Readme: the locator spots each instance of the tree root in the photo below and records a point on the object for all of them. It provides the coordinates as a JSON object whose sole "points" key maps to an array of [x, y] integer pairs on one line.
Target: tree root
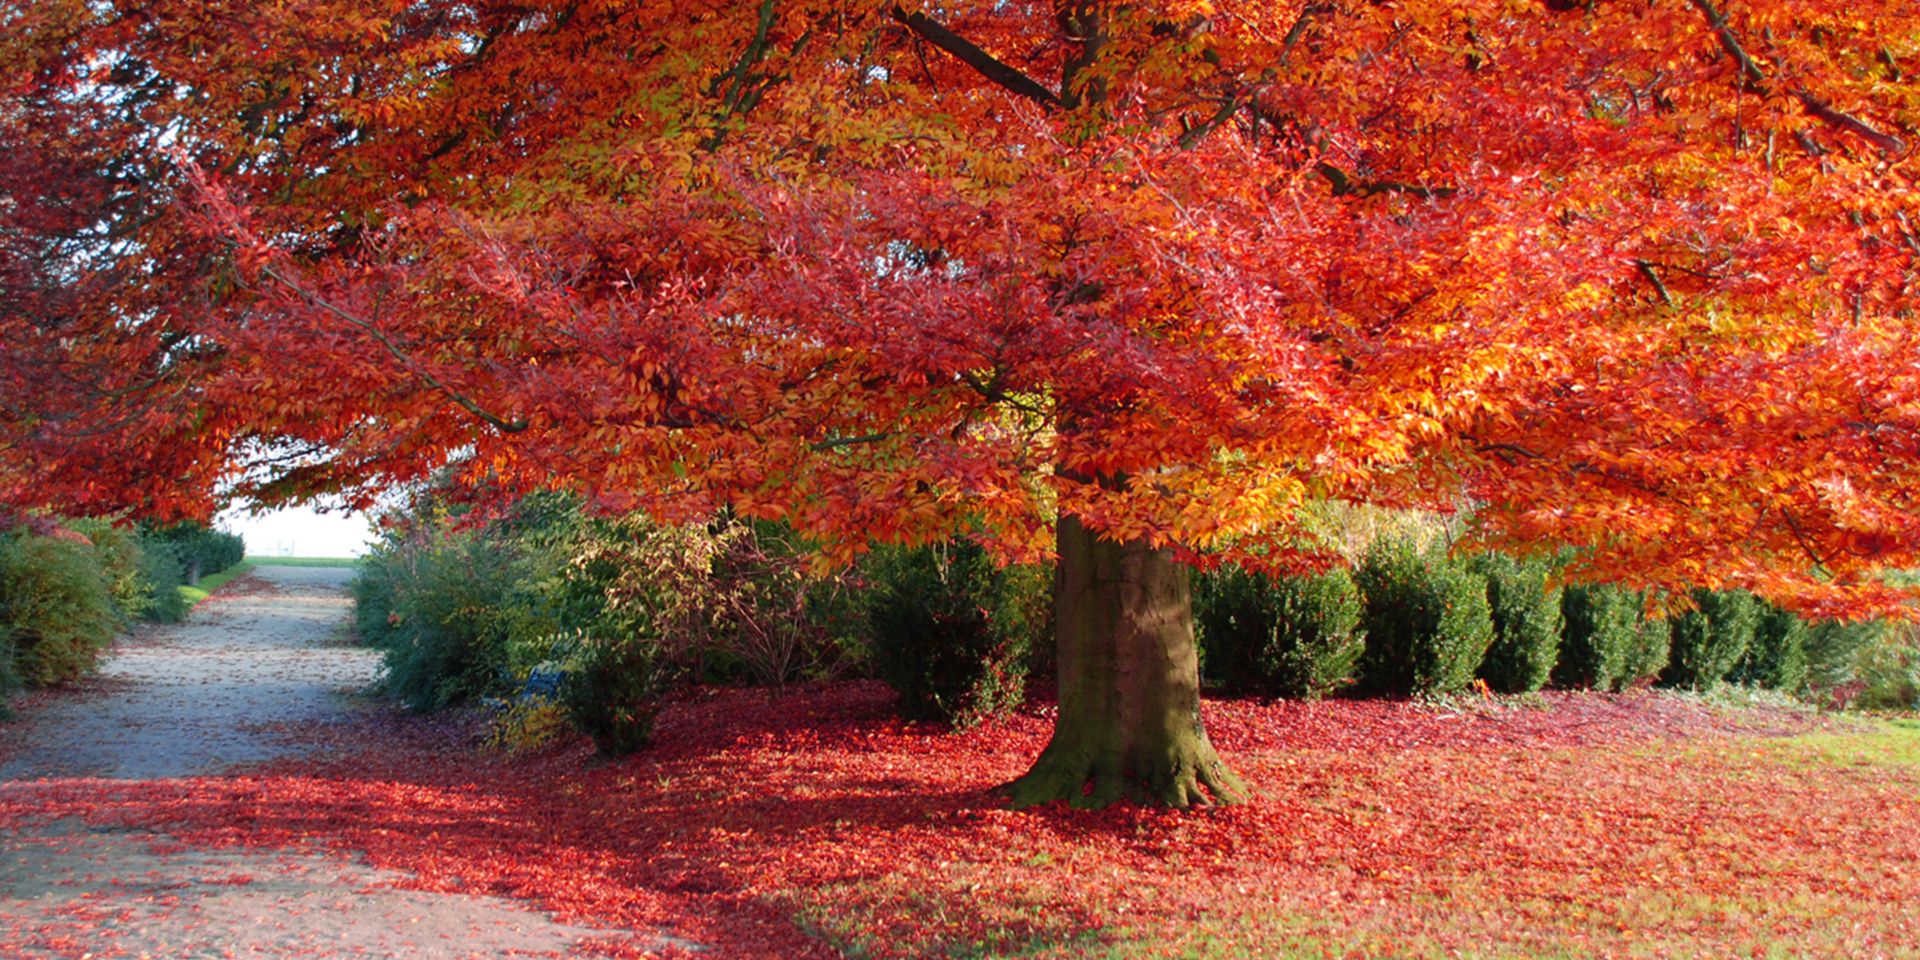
{"points": [[1190, 774]]}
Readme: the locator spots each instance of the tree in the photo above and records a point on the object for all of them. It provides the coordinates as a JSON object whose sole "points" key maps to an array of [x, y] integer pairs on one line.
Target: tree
{"points": [[1128, 283]]}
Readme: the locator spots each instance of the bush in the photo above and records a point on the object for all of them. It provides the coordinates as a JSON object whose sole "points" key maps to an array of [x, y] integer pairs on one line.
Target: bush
{"points": [[201, 552], [1648, 651], [1710, 640], [1426, 620], [1836, 651], [1889, 675], [54, 606], [951, 633], [611, 692], [1601, 628], [1526, 622], [1778, 657], [1278, 636], [9, 678], [122, 564], [449, 626], [161, 571]]}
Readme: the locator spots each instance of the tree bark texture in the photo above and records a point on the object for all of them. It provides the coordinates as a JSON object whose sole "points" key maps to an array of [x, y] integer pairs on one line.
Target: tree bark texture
{"points": [[1129, 719]]}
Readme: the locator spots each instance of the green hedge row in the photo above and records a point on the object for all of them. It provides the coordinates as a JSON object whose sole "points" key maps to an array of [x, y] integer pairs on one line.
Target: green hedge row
{"points": [[67, 588], [1410, 620]]}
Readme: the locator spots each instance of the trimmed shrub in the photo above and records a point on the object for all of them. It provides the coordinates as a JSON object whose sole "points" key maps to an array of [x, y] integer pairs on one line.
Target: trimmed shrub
{"points": [[1278, 636], [1602, 627], [611, 691], [1778, 658], [1426, 619], [1649, 650], [56, 607], [951, 631], [202, 552], [1710, 640], [1526, 622], [160, 569]]}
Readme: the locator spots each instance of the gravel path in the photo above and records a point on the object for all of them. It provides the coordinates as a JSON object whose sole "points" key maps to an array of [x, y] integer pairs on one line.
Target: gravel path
{"points": [[194, 699]]}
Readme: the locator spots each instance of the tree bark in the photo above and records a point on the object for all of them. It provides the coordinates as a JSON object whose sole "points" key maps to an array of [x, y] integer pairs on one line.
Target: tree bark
{"points": [[1129, 719]]}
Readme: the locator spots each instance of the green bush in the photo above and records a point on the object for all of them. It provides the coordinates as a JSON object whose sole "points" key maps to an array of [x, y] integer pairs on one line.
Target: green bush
{"points": [[951, 632], [1526, 622], [452, 621], [1278, 636], [9, 677], [1778, 657], [1710, 640], [1648, 651], [611, 691], [122, 564], [55, 606], [200, 551], [1888, 675], [1426, 620], [1601, 629], [160, 569], [1836, 651]]}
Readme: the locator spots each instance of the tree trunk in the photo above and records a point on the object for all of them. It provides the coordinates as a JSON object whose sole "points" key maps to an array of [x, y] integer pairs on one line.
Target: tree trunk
{"points": [[1129, 721]]}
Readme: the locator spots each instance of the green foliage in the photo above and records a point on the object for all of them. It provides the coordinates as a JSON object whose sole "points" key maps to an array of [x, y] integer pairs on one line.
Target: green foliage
{"points": [[1601, 629], [55, 606], [612, 691], [1526, 622], [1889, 675], [1836, 651], [9, 677], [1426, 619], [122, 564], [1278, 636], [1778, 657], [1648, 651], [1709, 641], [201, 551], [160, 569], [951, 632]]}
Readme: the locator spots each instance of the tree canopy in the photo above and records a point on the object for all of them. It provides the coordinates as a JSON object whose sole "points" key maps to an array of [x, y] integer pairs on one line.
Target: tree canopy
{"points": [[1636, 277]]}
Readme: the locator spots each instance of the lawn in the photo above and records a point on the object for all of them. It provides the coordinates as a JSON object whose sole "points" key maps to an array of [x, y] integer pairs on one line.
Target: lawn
{"points": [[211, 582], [811, 824]]}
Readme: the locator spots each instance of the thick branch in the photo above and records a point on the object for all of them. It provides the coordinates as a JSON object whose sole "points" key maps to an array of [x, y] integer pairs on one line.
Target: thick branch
{"points": [[982, 62], [1753, 78], [1344, 184]]}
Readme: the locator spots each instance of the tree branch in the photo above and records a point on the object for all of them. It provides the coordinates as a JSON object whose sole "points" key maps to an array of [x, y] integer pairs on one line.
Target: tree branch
{"points": [[465, 403], [982, 62], [1753, 78]]}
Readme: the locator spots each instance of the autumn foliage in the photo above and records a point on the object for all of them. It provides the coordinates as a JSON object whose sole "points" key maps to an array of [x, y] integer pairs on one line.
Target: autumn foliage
{"points": [[1634, 276]]}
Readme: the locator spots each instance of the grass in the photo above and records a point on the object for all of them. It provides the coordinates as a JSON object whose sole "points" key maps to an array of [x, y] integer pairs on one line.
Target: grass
{"points": [[304, 561], [208, 584]]}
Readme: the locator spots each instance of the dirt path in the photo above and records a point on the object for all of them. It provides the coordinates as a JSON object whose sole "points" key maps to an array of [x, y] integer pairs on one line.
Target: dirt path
{"points": [[195, 699]]}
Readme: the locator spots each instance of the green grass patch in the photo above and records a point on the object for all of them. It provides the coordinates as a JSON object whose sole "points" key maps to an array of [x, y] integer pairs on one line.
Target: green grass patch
{"points": [[1890, 743], [207, 585], [304, 561]]}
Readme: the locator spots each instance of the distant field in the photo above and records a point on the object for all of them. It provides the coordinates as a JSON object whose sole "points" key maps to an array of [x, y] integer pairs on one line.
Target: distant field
{"points": [[304, 561]]}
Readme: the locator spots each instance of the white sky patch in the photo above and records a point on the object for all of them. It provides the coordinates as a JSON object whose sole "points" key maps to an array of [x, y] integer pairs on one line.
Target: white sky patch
{"points": [[300, 532]]}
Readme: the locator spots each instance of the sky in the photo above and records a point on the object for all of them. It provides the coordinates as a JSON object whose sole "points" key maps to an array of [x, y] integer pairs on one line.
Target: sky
{"points": [[300, 532]]}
